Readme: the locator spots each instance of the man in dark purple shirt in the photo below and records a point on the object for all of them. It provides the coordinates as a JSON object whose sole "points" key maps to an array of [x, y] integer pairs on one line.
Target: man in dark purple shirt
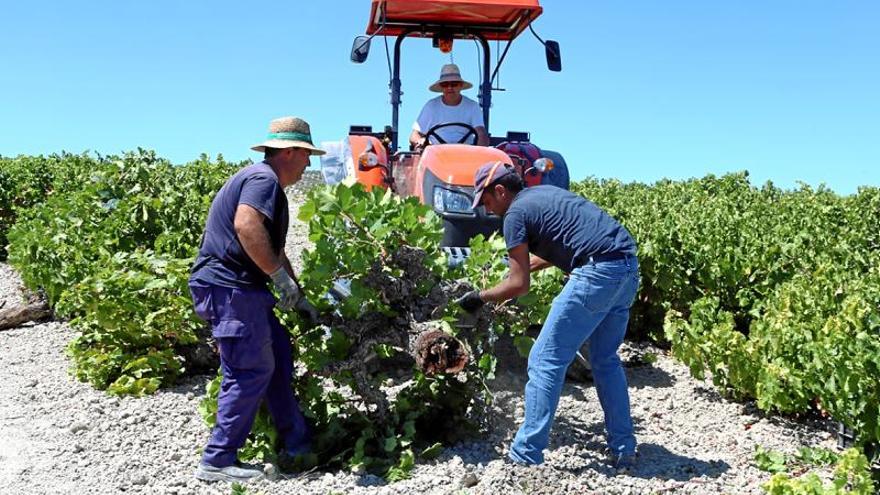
{"points": [[241, 251]]}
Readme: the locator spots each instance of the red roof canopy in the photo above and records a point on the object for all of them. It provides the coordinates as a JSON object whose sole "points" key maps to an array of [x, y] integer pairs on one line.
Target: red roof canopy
{"points": [[493, 19]]}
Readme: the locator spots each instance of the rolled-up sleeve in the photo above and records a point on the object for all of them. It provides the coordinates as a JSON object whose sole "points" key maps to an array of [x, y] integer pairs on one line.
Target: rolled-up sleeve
{"points": [[261, 192]]}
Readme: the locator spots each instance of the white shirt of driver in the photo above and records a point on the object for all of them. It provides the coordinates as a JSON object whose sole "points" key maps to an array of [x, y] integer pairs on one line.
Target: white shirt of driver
{"points": [[436, 112]]}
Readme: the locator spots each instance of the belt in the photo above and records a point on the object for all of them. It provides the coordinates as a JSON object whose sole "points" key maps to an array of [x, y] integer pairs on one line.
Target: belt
{"points": [[598, 258]]}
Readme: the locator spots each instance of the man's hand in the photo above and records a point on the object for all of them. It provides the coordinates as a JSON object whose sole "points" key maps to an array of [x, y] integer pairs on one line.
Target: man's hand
{"points": [[416, 140], [418, 146], [471, 301], [289, 292], [306, 310]]}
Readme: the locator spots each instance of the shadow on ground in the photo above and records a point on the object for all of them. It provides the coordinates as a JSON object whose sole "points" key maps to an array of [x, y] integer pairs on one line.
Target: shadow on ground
{"points": [[647, 376], [654, 461]]}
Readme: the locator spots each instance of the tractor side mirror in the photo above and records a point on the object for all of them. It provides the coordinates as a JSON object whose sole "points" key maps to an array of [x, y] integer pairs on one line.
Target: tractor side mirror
{"points": [[360, 49], [554, 57]]}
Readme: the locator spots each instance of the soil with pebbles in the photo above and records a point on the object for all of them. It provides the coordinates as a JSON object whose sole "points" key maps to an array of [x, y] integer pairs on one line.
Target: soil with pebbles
{"points": [[58, 435]]}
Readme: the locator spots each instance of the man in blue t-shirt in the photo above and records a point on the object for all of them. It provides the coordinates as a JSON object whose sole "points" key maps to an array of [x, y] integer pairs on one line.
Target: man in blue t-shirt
{"points": [[241, 251], [562, 229]]}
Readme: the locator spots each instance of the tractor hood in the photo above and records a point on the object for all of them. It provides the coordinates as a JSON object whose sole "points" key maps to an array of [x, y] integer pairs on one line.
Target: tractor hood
{"points": [[456, 164]]}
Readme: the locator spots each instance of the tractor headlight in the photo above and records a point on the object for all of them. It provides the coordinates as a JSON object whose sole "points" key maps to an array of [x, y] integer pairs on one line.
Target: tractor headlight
{"points": [[446, 200], [543, 164]]}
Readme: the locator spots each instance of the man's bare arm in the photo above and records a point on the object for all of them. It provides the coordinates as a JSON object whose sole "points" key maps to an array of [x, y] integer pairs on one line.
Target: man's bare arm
{"points": [[415, 138], [537, 263], [482, 136], [254, 238], [289, 268], [518, 279]]}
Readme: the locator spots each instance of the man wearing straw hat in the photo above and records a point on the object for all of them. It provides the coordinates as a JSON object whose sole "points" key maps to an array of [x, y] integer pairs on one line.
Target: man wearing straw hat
{"points": [[447, 108], [241, 251]]}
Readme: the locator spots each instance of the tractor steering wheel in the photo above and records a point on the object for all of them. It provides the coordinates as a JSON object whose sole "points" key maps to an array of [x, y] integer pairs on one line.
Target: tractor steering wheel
{"points": [[433, 132]]}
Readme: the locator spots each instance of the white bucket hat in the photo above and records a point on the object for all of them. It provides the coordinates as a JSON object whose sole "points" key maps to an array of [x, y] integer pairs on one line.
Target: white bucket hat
{"points": [[289, 132], [449, 73]]}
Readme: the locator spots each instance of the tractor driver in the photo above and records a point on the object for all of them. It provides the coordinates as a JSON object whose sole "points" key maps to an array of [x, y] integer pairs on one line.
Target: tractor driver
{"points": [[450, 107]]}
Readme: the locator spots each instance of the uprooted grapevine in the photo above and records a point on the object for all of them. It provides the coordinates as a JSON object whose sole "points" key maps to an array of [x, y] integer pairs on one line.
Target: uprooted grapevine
{"points": [[393, 365]]}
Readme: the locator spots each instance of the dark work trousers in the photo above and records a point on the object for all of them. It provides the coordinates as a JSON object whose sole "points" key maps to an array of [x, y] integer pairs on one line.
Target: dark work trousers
{"points": [[256, 363]]}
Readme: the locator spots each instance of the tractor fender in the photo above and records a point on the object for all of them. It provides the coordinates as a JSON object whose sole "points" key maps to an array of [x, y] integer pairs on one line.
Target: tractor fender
{"points": [[523, 155], [559, 175], [374, 177], [340, 163]]}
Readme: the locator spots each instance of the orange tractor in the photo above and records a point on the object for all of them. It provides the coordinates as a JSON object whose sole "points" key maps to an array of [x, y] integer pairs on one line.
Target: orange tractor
{"points": [[442, 175]]}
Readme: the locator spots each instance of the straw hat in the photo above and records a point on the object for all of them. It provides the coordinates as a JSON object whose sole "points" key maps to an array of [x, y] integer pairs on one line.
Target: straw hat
{"points": [[449, 73], [289, 132]]}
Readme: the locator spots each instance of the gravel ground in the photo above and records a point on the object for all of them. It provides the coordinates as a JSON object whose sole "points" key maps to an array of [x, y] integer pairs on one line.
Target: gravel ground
{"points": [[60, 436]]}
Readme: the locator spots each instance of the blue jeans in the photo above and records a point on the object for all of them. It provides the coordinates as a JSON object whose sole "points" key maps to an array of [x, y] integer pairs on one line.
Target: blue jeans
{"points": [[594, 305], [256, 364]]}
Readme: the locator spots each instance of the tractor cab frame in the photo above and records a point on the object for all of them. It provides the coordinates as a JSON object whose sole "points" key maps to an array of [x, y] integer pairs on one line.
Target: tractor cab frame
{"points": [[445, 21], [442, 175]]}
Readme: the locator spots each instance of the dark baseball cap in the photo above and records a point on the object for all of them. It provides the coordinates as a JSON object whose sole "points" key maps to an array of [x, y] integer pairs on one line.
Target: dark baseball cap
{"points": [[486, 175]]}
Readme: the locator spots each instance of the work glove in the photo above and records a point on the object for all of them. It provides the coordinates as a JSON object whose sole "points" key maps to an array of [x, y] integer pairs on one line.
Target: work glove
{"points": [[306, 311], [288, 292], [471, 301]]}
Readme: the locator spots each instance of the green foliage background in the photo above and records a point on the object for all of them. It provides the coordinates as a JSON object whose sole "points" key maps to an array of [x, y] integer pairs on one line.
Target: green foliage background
{"points": [[851, 474], [110, 240], [774, 293]]}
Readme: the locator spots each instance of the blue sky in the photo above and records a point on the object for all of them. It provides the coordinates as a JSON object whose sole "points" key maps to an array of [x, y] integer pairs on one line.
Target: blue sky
{"points": [[788, 90]]}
